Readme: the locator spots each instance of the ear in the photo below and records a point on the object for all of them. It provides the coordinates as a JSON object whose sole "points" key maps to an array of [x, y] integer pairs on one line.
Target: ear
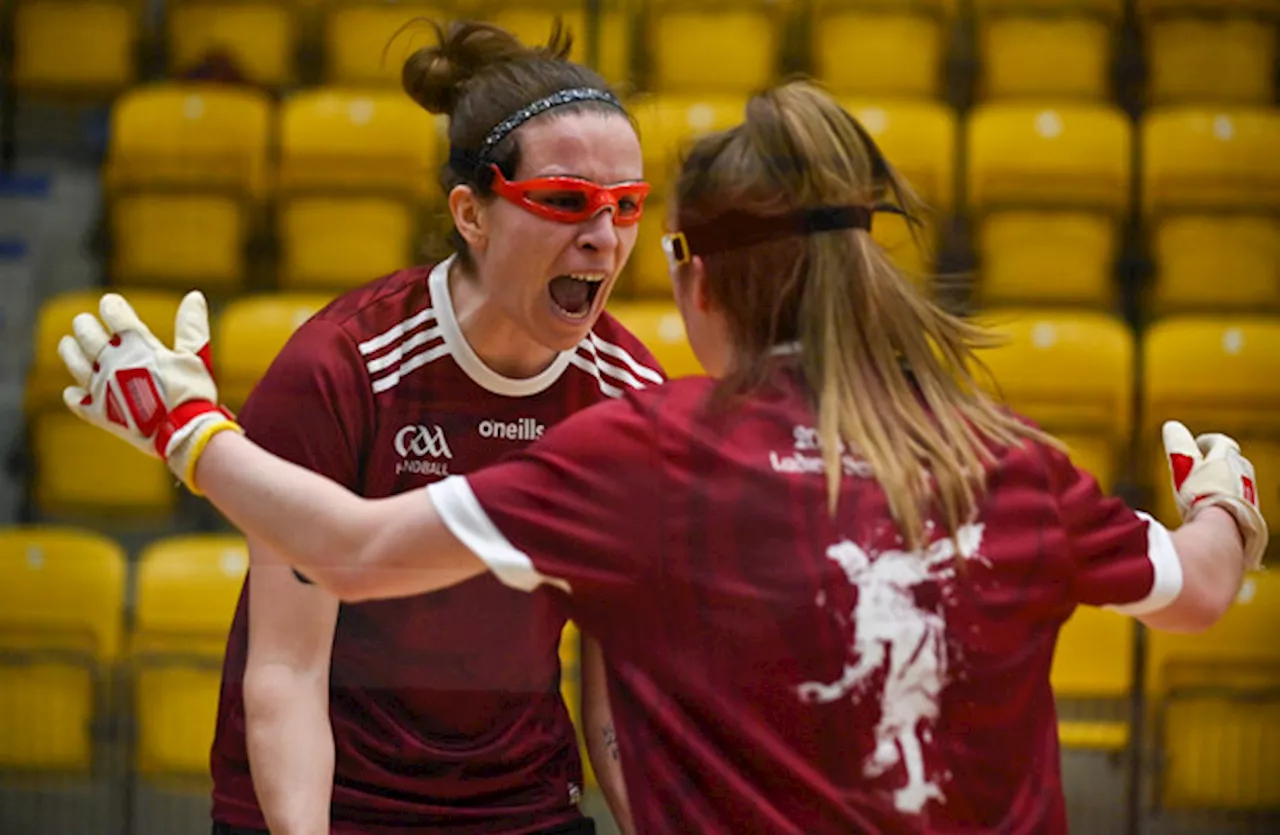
{"points": [[698, 284], [469, 216]]}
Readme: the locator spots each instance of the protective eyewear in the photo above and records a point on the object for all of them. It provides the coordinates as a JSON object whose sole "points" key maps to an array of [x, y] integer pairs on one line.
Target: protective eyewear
{"points": [[572, 199]]}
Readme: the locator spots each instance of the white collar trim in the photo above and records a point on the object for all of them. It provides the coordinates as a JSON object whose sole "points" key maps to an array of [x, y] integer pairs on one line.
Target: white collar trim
{"points": [[467, 359]]}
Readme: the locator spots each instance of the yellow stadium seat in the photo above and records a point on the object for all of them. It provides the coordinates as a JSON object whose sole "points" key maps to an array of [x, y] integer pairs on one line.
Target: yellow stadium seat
{"points": [[250, 333], [669, 124], [571, 692], [75, 45], [873, 47], [918, 138], [1092, 662], [186, 171], [78, 468], [364, 43], [729, 46], [259, 36], [1219, 58], [1048, 186], [1072, 373], [61, 614], [1211, 188], [354, 170], [1047, 49], [531, 21], [1215, 375], [647, 275], [187, 592], [1217, 707], [659, 326]]}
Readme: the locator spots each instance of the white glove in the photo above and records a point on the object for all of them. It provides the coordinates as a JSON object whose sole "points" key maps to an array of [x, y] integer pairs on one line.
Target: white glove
{"points": [[160, 400], [1210, 471]]}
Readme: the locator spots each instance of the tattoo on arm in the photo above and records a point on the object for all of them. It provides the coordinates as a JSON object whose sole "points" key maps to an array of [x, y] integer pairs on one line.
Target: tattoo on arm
{"points": [[610, 740]]}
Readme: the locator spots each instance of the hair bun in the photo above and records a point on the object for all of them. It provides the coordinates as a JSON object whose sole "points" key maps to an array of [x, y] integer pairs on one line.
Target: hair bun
{"points": [[436, 76]]}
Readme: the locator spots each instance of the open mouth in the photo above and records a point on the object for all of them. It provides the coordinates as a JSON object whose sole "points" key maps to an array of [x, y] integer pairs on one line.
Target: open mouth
{"points": [[575, 293]]}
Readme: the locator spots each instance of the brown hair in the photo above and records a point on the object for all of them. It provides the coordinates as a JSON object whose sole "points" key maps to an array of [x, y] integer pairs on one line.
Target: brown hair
{"points": [[891, 374], [480, 74]]}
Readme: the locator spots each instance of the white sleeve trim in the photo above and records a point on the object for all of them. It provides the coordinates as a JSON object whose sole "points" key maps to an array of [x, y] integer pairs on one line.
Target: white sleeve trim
{"points": [[1167, 583], [462, 514]]}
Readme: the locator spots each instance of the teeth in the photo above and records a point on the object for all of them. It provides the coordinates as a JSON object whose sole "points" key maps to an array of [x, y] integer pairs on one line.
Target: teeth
{"points": [[592, 278]]}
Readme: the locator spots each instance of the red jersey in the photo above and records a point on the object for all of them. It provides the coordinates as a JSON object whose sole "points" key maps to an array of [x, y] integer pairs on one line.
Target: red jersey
{"points": [[774, 669], [446, 708]]}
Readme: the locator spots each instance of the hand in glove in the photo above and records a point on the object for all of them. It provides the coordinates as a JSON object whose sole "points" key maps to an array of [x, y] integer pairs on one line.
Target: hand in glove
{"points": [[1210, 471], [161, 400]]}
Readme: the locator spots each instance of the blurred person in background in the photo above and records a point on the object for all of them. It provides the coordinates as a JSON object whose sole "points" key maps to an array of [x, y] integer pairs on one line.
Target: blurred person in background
{"points": [[828, 578], [443, 712]]}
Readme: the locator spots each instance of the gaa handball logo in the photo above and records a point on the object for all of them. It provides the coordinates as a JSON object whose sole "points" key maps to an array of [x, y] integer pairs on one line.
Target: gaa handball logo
{"points": [[421, 448]]}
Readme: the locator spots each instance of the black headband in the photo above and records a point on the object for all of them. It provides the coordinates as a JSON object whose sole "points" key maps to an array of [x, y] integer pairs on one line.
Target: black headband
{"points": [[469, 162], [736, 230]]}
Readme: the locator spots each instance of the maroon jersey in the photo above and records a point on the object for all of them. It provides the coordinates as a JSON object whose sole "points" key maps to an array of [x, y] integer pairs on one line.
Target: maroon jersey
{"points": [[446, 708], [774, 669]]}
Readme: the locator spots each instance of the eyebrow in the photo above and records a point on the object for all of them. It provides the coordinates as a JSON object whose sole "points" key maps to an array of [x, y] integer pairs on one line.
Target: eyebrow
{"points": [[576, 176]]}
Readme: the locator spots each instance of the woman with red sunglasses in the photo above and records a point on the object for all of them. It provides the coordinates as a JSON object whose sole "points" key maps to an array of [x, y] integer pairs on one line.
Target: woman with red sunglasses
{"points": [[828, 579], [442, 712]]}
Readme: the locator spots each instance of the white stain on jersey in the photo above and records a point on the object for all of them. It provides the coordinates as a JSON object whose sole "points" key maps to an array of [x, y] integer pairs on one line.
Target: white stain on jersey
{"points": [[888, 628]]}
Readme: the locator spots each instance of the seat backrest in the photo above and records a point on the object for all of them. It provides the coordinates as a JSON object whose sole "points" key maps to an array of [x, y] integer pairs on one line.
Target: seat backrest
{"points": [[659, 326], [187, 589], [61, 589], [1149, 8], [919, 140], [178, 135], [366, 142], [670, 123], [1069, 155], [1109, 9], [942, 8], [1065, 370], [1240, 649], [1093, 658], [250, 333], [1213, 374], [48, 375], [1204, 159]]}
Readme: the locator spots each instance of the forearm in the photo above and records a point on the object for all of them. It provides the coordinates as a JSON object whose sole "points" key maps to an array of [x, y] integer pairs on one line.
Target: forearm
{"points": [[311, 522], [290, 743], [602, 740], [1211, 554]]}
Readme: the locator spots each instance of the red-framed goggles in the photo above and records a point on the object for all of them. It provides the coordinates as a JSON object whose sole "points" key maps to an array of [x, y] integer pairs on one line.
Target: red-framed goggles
{"points": [[736, 230], [573, 199]]}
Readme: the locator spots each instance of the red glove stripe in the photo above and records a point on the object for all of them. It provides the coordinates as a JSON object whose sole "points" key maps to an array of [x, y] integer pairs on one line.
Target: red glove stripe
{"points": [[143, 399], [206, 356], [1250, 491], [179, 418], [1181, 466]]}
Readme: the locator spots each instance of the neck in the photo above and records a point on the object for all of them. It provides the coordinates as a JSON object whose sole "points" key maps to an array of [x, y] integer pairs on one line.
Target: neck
{"points": [[497, 341]]}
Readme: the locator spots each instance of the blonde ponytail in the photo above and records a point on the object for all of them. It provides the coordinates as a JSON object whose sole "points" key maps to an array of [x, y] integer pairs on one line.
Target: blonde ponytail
{"points": [[893, 377]]}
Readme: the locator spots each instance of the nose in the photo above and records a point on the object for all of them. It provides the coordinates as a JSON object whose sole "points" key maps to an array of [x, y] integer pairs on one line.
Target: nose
{"points": [[599, 234]]}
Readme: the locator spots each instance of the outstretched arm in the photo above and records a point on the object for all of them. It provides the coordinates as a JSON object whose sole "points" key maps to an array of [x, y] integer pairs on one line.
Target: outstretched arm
{"points": [[164, 401], [356, 548]]}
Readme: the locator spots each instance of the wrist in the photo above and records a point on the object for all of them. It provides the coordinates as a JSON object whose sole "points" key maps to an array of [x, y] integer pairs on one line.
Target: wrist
{"points": [[196, 429]]}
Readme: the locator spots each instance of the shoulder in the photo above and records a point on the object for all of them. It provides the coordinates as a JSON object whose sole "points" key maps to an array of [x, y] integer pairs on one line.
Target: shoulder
{"points": [[617, 361], [370, 328]]}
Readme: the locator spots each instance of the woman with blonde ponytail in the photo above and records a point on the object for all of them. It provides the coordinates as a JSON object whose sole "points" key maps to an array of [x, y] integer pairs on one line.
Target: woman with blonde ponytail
{"points": [[829, 576]]}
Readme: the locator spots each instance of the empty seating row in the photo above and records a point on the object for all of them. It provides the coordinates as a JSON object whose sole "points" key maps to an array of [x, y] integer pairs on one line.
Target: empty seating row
{"points": [[63, 619], [192, 172], [1041, 48]]}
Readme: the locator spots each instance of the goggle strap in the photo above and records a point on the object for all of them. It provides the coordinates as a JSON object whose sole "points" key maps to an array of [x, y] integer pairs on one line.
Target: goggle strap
{"points": [[737, 230]]}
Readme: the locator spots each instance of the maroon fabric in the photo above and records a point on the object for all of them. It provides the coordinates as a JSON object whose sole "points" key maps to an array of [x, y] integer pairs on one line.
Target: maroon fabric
{"points": [[445, 708], [777, 670]]}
